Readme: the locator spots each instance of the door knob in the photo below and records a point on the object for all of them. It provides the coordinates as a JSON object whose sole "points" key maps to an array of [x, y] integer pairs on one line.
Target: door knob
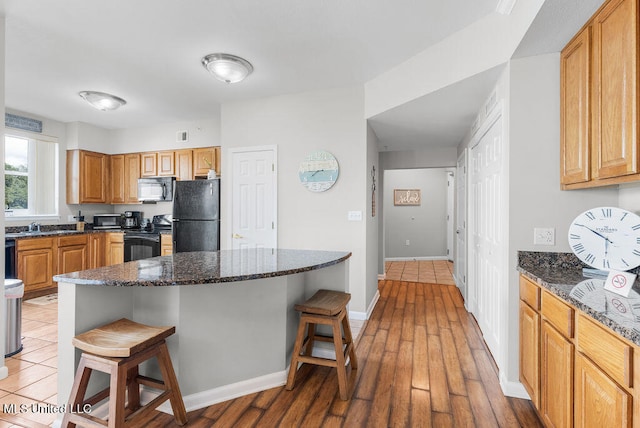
{"points": [[236, 236]]}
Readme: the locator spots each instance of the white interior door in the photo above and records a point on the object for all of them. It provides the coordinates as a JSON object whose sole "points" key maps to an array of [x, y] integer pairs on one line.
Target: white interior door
{"points": [[460, 264], [450, 220], [486, 285], [254, 201]]}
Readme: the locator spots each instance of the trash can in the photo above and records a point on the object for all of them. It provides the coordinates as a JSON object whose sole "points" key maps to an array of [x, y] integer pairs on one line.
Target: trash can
{"points": [[13, 293]]}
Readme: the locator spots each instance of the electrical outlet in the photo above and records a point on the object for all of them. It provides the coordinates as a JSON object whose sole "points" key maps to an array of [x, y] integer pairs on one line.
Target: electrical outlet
{"points": [[544, 236], [407, 242]]}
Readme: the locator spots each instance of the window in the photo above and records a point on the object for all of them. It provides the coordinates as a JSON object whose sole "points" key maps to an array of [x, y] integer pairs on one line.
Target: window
{"points": [[30, 177]]}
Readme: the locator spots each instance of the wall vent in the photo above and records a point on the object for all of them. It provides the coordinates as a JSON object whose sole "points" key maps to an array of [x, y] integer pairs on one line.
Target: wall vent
{"points": [[182, 136]]}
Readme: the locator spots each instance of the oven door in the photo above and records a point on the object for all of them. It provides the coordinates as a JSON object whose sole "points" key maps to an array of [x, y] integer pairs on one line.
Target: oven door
{"points": [[141, 247]]}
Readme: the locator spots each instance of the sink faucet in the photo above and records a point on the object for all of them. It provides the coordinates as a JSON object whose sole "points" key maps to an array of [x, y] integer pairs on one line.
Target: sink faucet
{"points": [[34, 227]]}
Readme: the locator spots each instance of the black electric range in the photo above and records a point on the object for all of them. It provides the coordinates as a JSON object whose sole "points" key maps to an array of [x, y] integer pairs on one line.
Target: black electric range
{"points": [[143, 243]]}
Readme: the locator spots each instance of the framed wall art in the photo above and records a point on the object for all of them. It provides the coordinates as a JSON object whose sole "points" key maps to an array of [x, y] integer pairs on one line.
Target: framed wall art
{"points": [[406, 196]]}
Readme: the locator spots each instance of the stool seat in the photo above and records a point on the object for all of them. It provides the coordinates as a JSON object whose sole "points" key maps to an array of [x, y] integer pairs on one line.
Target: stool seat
{"points": [[325, 302], [326, 307], [118, 349], [121, 338]]}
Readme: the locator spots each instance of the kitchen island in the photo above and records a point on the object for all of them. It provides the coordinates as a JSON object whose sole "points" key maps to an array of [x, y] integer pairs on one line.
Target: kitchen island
{"points": [[233, 311]]}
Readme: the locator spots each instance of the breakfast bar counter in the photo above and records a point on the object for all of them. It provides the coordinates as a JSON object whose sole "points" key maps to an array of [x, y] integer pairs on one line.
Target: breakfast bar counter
{"points": [[233, 311]]}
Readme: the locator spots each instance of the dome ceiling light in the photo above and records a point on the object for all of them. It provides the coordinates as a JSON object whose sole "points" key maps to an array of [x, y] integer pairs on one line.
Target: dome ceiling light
{"points": [[102, 101], [227, 68]]}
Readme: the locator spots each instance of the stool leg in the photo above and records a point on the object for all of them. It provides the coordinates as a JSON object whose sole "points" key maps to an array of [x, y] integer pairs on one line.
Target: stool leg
{"points": [[297, 348], [117, 390], [133, 389], [340, 362], [78, 391], [349, 338], [170, 380], [311, 334]]}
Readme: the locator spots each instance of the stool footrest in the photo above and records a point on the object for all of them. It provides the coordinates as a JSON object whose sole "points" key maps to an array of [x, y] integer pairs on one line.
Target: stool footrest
{"points": [[322, 338], [151, 382]]}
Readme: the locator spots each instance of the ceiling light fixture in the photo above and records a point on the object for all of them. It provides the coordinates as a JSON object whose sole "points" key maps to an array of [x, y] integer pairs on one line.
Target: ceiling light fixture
{"points": [[102, 101], [227, 68]]}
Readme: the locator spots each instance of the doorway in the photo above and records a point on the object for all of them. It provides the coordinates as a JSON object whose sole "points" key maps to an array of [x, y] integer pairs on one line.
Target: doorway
{"points": [[254, 197]]}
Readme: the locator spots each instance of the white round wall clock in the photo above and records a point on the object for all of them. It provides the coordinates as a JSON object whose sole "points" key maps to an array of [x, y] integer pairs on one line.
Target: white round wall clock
{"points": [[606, 238], [319, 171]]}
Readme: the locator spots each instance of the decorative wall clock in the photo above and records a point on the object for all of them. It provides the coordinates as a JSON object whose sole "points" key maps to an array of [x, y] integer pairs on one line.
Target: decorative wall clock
{"points": [[606, 238], [319, 171]]}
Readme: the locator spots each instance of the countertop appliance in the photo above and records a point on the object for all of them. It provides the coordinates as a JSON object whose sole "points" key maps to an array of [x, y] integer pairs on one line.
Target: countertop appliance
{"points": [[106, 221], [144, 243], [131, 219], [155, 189], [196, 215]]}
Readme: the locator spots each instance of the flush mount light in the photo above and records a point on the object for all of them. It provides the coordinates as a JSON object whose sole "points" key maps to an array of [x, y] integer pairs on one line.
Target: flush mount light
{"points": [[227, 68], [102, 101]]}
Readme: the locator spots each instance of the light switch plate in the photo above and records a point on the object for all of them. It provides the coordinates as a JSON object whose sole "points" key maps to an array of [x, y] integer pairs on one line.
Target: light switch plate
{"points": [[354, 215], [544, 236]]}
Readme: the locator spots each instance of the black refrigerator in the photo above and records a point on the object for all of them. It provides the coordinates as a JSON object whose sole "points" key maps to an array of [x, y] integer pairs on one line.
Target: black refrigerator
{"points": [[196, 215]]}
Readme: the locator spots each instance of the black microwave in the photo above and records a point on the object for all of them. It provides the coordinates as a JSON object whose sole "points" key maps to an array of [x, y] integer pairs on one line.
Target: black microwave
{"points": [[155, 189], [106, 221]]}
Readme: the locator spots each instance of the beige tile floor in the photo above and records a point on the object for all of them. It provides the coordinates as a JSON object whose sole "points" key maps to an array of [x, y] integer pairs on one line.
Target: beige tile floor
{"points": [[32, 379], [430, 271]]}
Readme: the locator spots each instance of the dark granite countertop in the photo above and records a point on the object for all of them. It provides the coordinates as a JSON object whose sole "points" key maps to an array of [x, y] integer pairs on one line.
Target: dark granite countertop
{"points": [[207, 267], [561, 274]]}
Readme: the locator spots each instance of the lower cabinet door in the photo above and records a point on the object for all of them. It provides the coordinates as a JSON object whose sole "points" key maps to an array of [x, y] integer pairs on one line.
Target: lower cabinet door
{"points": [[600, 402], [556, 390], [530, 352]]}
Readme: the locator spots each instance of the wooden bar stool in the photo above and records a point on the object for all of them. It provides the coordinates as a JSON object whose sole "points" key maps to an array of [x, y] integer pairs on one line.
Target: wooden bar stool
{"points": [[329, 308], [117, 349]]}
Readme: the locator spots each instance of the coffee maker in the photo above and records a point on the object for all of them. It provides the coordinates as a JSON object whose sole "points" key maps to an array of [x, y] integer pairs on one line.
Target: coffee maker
{"points": [[131, 219]]}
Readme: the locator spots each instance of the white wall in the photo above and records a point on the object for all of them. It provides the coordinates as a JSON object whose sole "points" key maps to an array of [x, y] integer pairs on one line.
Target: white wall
{"points": [[433, 157], [332, 120], [535, 198], [372, 221], [425, 225]]}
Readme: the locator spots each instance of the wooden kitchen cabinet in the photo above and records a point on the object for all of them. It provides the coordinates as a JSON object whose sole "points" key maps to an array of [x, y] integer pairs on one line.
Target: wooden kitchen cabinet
{"points": [[97, 250], [204, 159], [599, 100], [556, 370], [166, 244], [575, 132], [530, 339], [36, 265], [587, 374], [73, 253], [124, 173], [158, 164], [114, 248], [149, 164], [184, 164], [87, 177], [600, 402]]}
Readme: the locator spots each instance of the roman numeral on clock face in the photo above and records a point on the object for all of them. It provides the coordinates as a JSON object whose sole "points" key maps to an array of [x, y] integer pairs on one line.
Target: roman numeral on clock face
{"points": [[578, 248], [590, 215], [574, 236], [606, 212], [590, 258]]}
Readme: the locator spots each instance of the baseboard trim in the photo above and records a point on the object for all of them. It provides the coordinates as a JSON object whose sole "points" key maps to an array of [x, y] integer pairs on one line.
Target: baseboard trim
{"points": [[363, 316], [4, 372], [513, 389], [411, 259]]}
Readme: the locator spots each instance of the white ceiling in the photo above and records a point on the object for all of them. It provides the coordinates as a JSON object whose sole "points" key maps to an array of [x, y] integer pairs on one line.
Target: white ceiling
{"points": [[148, 52]]}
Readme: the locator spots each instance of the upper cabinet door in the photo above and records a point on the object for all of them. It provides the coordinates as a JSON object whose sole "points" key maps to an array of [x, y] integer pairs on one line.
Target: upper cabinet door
{"points": [[575, 75], [149, 164], [166, 163], [615, 92]]}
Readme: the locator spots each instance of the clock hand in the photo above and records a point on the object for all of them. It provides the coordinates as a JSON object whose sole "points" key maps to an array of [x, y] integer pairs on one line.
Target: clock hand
{"points": [[317, 171], [599, 234]]}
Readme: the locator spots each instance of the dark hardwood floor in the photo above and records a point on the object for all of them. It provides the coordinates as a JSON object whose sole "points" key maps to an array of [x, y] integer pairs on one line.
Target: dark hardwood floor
{"points": [[422, 363]]}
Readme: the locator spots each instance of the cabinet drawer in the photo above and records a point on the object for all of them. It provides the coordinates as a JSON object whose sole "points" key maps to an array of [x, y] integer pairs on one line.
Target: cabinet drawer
{"points": [[530, 293], [34, 243], [66, 241], [610, 353], [558, 313]]}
